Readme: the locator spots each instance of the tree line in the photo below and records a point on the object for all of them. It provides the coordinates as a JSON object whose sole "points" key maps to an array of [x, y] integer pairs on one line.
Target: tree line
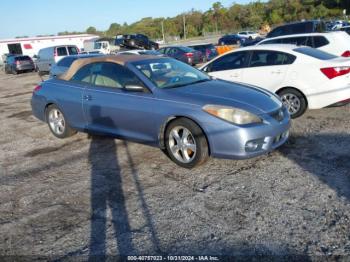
{"points": [[229, 19]]}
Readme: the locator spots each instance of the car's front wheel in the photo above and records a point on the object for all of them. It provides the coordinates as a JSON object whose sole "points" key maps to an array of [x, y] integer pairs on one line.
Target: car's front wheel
{"points": [[57, 122], [186, 143], [294, 101]]}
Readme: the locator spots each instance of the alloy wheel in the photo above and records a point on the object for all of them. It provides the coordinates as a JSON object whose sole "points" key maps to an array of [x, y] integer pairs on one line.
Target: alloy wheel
{"points": [[182, 144], [292, 102], [56, 121]]}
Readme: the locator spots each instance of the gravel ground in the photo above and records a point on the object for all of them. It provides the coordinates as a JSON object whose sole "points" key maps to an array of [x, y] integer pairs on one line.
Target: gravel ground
{"points": [[90, 196]]}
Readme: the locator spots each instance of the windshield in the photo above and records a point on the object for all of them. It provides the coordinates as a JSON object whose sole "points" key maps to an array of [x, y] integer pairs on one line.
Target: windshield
{"points": [[170, 73], [315, 53]]}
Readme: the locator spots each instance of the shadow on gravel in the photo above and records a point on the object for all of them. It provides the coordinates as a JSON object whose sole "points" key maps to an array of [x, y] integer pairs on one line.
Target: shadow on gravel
{"points": [[239, 251], [107, 193], [327, 156]]}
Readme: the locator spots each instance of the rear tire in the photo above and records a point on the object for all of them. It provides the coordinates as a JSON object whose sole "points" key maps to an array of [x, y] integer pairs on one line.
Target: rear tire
{"points": [[57, 123], [186, 143], [294, 101]]}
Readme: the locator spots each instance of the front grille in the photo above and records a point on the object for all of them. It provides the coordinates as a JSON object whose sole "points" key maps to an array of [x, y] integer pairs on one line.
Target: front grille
{"points": [[278, 115]]}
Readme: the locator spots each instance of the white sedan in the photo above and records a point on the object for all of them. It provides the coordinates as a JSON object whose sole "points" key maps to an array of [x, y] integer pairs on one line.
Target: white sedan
{"points": [[303, 77], [248, 34]]}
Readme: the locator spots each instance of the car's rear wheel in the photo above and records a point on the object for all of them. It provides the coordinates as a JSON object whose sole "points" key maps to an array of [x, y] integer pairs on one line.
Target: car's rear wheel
{"points": [[294, 101], [57, 122], [186, 143]]}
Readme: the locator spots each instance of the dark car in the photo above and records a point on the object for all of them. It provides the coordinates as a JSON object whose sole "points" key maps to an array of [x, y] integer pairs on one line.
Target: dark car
{"points": [[18, 63], [208, 51], [346, 29], [139, 41], [183, 53], [250, 42], [232, 39], [313, 26]]}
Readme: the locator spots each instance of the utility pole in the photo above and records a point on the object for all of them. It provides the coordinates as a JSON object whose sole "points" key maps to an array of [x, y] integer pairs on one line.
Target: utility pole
{"points": [[163, 32], [184, 20]]}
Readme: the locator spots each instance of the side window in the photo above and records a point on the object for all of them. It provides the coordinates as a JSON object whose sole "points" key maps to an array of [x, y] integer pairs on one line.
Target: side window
{"points": [[172, 51], [270, 58], [83, 75], [72, 50], [61, 51], [320, 41], [288, 59], [228, 62], [302, 40], [113, 75]]}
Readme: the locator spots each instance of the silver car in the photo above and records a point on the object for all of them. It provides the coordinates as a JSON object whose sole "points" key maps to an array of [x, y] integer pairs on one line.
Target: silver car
{"points": [[51, 55]]}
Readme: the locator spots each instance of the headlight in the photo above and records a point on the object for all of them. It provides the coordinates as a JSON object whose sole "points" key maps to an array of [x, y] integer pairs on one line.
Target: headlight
{"points": [[231, 114]]}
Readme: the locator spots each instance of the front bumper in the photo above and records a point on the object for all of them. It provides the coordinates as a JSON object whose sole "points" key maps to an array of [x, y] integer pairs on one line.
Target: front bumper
{"points": [[232, 142]]}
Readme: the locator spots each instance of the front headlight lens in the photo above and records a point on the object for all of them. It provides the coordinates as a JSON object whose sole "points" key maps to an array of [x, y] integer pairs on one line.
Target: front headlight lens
{"points": [[231, 114]]}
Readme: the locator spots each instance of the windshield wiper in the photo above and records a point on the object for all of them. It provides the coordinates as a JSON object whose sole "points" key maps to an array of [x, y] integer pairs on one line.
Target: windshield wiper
{"points": [[191, 83]]}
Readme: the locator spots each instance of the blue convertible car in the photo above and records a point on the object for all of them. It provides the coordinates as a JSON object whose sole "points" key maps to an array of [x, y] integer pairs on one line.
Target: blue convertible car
{"points": [[162, 102]]}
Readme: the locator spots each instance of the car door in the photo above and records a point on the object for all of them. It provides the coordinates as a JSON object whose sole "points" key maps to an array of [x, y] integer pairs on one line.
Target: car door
{"points": [[228, 67], [71, 94], [110, 108], [267, 69]]}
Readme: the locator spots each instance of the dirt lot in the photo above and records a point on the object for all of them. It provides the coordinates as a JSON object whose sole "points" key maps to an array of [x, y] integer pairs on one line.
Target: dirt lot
{"points": [[92, 196]]}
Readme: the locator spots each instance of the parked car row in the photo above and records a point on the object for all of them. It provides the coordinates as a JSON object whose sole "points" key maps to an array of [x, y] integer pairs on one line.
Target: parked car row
{"points": [[237, 105]]}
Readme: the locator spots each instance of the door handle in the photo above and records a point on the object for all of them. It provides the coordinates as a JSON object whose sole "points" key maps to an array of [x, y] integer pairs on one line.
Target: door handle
{"points": [[234, 75], [276, 72], [87, 97]]}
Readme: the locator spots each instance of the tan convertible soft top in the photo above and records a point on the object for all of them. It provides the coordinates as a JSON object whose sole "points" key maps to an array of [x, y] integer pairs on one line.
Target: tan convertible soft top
{"points": [[118, 59]]}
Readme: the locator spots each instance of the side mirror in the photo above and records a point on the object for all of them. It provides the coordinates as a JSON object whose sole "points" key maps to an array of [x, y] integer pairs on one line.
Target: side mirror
{"points": [[134, 88], [36, 56]]}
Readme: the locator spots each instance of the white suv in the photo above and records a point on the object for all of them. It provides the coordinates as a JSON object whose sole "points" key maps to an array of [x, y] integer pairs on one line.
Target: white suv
{"points": [[336, 43]]}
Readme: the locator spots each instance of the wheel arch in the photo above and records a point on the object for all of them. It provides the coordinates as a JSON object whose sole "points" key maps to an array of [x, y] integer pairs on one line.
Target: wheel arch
{"points": [[163, 128], [296, 89]]}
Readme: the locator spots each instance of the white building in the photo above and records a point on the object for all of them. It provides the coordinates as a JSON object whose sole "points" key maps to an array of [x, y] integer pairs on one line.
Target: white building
{"points": [[31, 45]]}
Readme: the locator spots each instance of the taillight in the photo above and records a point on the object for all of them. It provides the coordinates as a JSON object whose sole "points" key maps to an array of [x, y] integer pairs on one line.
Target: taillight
{"points": [[189, 54], [346, 54], [37, 88], [332, 72]]}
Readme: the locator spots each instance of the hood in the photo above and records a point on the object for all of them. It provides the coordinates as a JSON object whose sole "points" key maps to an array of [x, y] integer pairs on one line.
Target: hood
{"points": [[219, 92]]}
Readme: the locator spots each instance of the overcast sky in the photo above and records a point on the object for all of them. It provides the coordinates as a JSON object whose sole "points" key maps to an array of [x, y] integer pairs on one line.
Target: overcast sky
{"points": [[34, 17]]}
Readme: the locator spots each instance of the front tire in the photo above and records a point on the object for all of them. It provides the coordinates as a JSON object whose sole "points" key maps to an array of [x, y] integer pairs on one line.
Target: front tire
{"points": [[186, 143], [294, 101], [57, 122]]}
